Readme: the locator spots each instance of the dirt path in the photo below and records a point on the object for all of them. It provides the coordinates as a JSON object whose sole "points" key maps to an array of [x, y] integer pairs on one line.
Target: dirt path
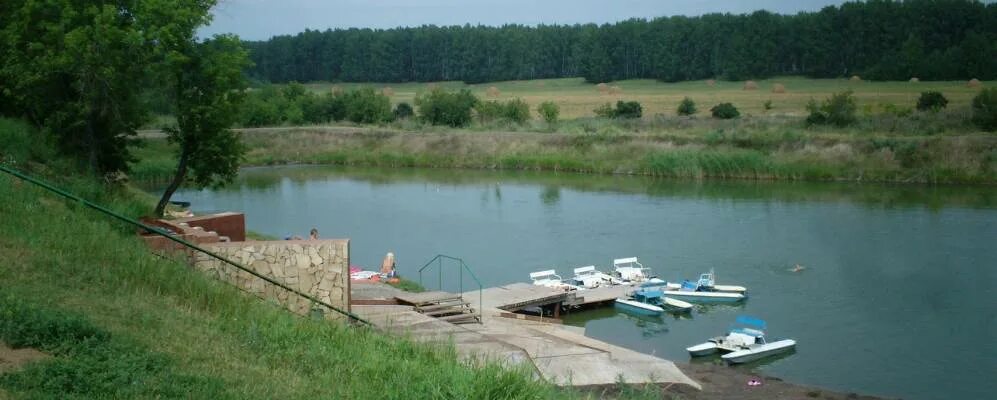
{"points": [[11, 359], [721, 382]]}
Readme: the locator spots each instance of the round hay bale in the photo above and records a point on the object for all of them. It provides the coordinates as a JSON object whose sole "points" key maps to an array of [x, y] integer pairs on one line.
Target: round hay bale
{"points": [[388, 91], [914, 80], [493, 91], [615, 90], [750, 85], [541, 83], [974, 83], [855, 78], [778, 88], [432, 86], [711, 82], [337, 90], [602, 87]]}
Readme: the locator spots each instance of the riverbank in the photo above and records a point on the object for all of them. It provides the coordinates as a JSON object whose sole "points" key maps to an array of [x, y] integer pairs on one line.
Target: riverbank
{"points": [[734, 151]]}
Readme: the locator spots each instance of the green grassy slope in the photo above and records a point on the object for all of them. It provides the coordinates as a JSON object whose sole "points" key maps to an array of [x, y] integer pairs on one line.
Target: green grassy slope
{"points": [[125, 324]]}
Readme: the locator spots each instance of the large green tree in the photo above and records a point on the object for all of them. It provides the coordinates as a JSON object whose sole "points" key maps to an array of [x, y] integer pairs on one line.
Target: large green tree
{"points": [[77, 68], [207, 83]]}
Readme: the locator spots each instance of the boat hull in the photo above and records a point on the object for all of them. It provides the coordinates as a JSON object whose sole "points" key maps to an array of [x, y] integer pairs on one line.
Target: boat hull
{"points": [[705, 297], [676, 305], [716, 288], [703, 349], [760, 351], [637, 307]]}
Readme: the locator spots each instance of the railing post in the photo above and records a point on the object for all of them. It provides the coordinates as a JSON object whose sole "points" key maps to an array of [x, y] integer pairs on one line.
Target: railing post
{"points": [[439, 267], [460, 277]]}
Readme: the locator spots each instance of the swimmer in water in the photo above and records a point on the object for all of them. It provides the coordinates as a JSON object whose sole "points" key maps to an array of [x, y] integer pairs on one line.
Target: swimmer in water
{"points": [[797, 268]]}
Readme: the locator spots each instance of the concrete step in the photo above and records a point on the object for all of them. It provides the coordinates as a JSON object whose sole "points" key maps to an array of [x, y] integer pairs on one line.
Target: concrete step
{"points": [[452, 310], [462, 318]]}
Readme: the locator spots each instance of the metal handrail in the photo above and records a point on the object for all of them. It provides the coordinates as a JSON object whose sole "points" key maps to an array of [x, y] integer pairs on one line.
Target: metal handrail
{"points": [[462, 266], [161, 232]]}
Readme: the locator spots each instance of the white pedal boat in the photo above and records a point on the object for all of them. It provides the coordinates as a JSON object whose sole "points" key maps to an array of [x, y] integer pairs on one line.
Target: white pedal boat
{"points": [[590, 278], [743, 344]]}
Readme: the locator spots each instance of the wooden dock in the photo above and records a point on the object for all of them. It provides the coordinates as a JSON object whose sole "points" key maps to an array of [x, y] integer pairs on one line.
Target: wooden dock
{"points": [[517, 296], [591, 297]]}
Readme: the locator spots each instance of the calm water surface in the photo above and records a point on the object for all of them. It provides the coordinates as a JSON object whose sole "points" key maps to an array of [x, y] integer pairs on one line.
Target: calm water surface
{"points": [[898, 297]]}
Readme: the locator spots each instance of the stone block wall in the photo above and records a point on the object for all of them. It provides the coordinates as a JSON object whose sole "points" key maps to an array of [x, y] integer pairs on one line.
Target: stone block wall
{"points": [[319, 268]]}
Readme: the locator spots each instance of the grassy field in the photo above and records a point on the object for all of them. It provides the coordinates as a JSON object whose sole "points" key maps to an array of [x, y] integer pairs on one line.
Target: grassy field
{"points": [[577, 98], [123, 323]]}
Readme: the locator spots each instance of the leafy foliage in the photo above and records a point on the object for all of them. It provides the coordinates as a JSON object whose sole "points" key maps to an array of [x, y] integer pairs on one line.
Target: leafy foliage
{"points": [[687, 107], [403, 110], [725, 111], [932, 101], [932, 40], [439, 107], [838, 110], [623, 109], [985, 109], [515, 110], [549, 111]]}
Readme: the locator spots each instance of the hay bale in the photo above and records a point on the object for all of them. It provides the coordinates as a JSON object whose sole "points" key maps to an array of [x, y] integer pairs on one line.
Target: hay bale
{"points": [[778, 88], [711, 82], [602, 87], [432, 86], [974, 83], [615, 90], [750, 85], [855, 78], [493, 91], [914, 80], [388, 91], [337, 90]]}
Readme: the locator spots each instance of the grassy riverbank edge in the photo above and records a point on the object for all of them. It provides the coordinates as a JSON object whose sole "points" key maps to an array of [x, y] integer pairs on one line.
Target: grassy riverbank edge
{"points": [[773, 153]]}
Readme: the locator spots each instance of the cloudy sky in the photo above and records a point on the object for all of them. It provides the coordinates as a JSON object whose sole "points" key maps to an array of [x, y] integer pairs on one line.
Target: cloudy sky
{"points": [[261, 19]]}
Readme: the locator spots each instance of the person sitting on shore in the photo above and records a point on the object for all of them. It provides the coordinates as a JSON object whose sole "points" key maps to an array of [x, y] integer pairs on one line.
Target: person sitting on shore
{"points": [[313, 235], [388, 265]]}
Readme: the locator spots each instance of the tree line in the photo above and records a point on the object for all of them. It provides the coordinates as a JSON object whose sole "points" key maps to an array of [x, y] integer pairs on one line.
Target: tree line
{"points": [[878, 39]]}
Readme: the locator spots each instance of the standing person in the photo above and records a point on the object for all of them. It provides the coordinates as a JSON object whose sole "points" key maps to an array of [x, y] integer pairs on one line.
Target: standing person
{"points": [[388, 265], [313, 235]]}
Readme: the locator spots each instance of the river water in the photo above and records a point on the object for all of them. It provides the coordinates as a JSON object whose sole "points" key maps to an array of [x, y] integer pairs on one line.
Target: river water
{"points": [[898, 297]]}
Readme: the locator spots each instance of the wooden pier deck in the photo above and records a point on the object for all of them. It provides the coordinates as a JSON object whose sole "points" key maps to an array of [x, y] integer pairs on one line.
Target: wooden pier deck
{"points": [[517, 296], [598, 295]]}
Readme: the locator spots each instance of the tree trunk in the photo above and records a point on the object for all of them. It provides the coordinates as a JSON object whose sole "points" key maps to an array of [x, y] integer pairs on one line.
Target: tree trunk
{"points": [[175, 184]]}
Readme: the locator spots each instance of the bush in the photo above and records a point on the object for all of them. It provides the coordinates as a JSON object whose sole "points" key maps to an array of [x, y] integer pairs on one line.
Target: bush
{"points": [[624, 109], [366, 106], [687, 107], [767, 105], [932, 101], [549, 111], [838, 110], [725, 111], [515, 110], [985, 109], [403, 111], [628, 109], [324, 108], [605, 111], [439, 107]]}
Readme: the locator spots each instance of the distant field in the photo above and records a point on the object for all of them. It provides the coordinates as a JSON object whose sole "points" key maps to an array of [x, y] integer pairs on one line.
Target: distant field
{"points": [[578, 99]]}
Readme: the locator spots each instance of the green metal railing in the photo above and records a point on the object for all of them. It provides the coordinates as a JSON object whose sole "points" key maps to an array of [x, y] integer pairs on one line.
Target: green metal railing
{"points": [[161, 232], [461, 267]]}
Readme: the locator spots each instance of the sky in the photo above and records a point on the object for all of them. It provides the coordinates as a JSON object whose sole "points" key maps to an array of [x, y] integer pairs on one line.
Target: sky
{"points": [[262, 19]]}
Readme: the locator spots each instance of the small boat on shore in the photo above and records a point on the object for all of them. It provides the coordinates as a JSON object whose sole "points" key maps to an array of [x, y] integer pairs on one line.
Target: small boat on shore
{"points": [[652, 301], [590, 278], [692, 291], [744, 343]]}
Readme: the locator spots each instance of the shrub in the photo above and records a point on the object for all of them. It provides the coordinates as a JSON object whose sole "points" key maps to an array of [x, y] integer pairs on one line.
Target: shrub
{"points": [[439, 107], [516, 110], [628, 109], [324, 108], [403, 111], [549, 111], [605, 111], [687, 107], [367, 106], [985, 109], [932, 101], [838, 110], [767, 105], [725, 111]]}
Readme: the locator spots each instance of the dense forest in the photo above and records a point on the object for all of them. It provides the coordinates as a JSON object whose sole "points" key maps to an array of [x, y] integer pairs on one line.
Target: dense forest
{"points": [[880, 40]]}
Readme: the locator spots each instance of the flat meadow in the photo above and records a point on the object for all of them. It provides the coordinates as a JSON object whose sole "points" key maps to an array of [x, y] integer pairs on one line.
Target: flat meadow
{"points": [[577, 98]]}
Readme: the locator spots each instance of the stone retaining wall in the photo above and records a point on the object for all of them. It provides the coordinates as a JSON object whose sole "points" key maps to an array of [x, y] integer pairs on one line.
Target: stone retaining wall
{"points": [[319, 268]]}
